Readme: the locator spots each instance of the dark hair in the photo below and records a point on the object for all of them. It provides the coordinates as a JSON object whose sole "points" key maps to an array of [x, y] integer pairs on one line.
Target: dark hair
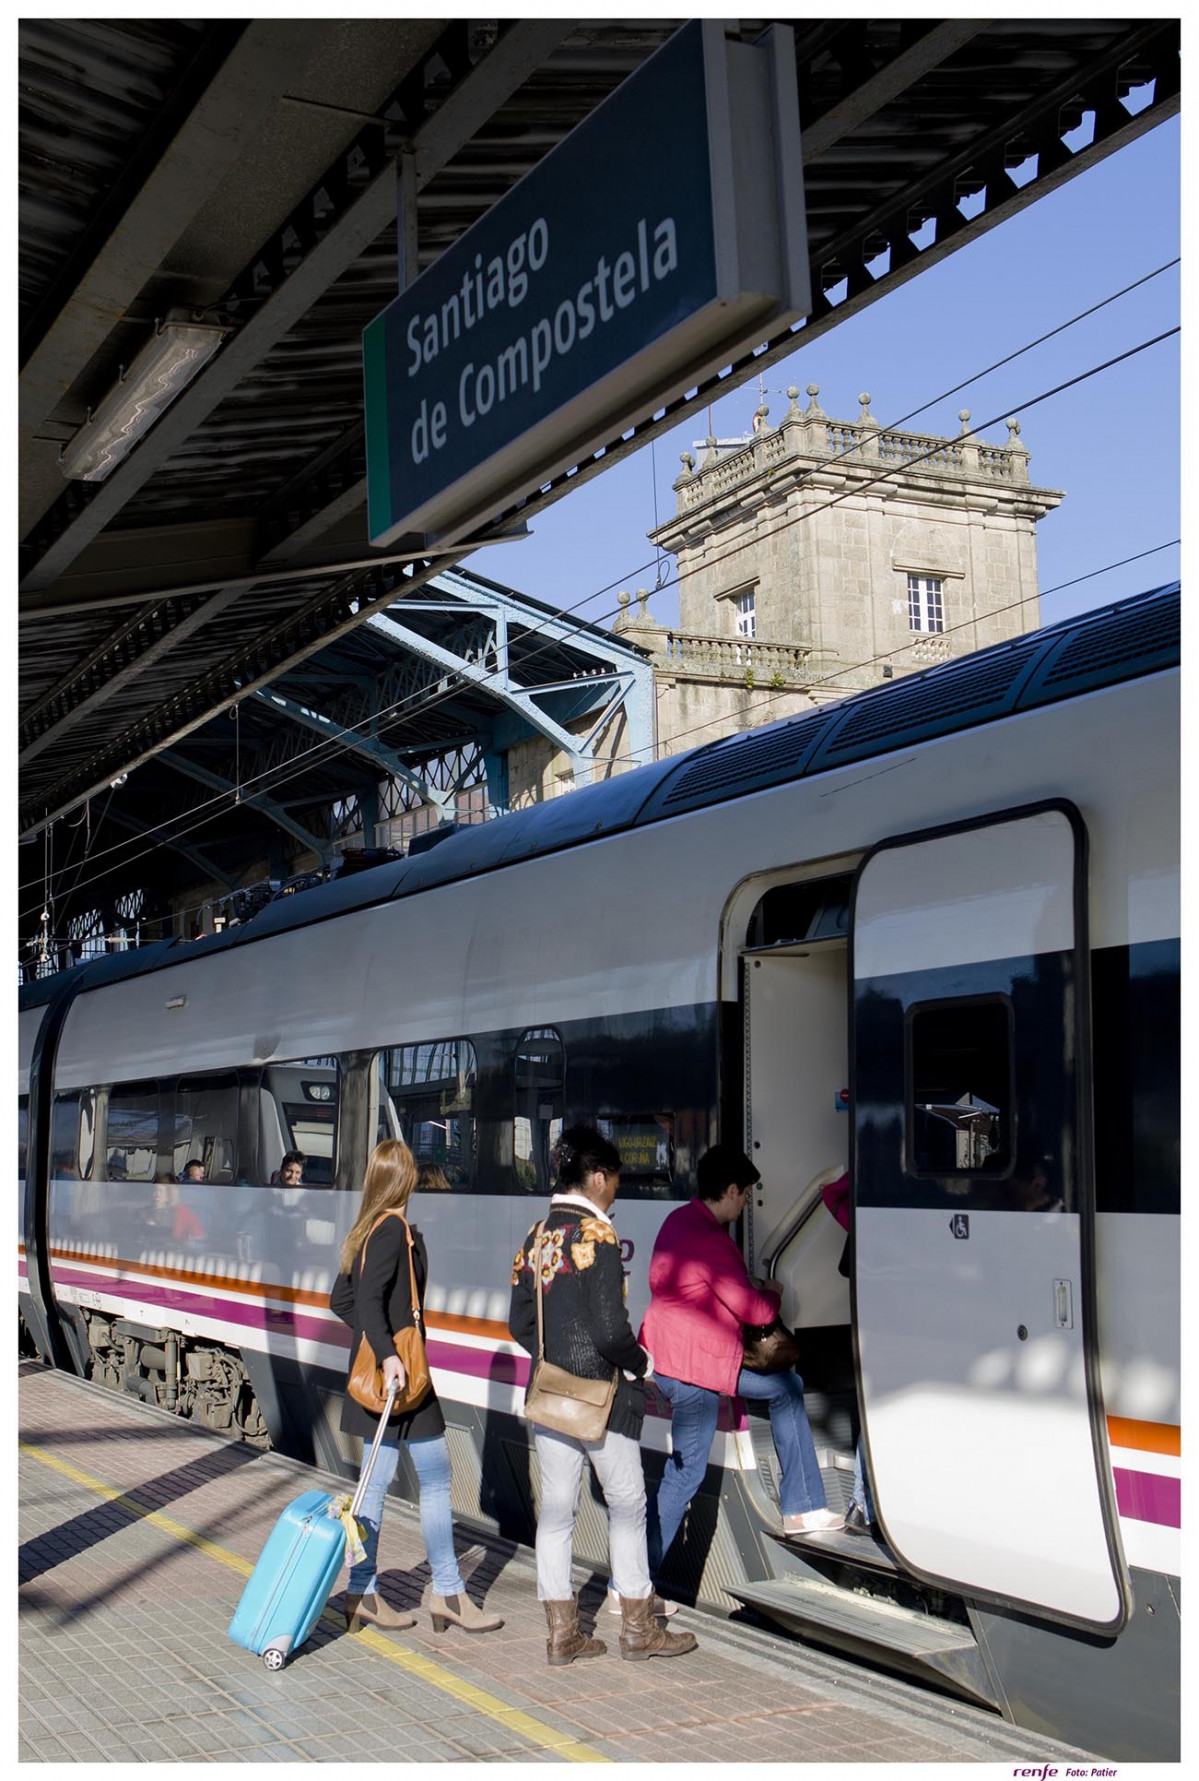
{"points": [[717, 1167], [293, 1156], [579, 1152]]}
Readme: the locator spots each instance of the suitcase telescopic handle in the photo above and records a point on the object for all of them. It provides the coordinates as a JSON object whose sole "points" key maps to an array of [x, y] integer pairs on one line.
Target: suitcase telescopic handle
{"points": [[368, 1468]]}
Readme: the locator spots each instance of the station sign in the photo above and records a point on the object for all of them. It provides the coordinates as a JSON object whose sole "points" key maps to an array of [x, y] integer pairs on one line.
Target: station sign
{"points": [[661, 239]]}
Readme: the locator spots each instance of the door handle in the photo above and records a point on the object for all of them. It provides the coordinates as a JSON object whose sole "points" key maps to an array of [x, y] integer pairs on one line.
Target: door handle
{"points": [[1063, 1305]]}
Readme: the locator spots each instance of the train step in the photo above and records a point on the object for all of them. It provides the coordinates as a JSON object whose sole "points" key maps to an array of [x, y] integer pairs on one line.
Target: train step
{"points": [[867, 1552], [920, 1646]]}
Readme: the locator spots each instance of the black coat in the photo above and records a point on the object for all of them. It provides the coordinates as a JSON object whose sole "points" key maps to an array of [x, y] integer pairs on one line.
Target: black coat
{"points": [[587, 1328], [376, 1301]]}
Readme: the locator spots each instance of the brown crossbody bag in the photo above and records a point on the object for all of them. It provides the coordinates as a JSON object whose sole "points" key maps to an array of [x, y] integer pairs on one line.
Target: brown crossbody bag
{"points": [[560, 1400], [365, 1384]]}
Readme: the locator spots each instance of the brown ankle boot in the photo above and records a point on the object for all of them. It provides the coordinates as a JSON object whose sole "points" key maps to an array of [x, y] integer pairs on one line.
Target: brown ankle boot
{"points": [[567, 1639], [459, 1610], [372, 1610], [642, 1636]]}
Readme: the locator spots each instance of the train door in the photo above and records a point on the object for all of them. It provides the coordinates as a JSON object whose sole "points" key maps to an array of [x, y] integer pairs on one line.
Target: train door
{"points": [[974, 1281]]}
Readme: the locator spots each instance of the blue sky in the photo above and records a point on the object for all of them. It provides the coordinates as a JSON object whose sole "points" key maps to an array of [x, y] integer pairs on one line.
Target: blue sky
{"points": [[1111, 443]]}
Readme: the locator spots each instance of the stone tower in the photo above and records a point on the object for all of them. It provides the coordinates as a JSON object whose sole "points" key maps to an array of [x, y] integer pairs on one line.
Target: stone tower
{"points": [[819, 557]]}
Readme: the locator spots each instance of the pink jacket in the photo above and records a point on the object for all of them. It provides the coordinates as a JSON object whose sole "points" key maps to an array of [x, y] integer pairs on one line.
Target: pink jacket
{"points": [[701, 1296]]}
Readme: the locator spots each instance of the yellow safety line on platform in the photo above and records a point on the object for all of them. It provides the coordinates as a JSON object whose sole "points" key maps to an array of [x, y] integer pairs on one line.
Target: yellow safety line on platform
{"points": [[523, 1724]]}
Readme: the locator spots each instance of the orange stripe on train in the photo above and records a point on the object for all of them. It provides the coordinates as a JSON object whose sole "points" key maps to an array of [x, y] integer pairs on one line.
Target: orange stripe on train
{"points": [[262, 1289]]}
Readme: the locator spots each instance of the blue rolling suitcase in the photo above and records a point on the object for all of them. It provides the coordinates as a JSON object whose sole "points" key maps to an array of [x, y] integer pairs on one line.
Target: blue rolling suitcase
{"points": [[294, 1576]]}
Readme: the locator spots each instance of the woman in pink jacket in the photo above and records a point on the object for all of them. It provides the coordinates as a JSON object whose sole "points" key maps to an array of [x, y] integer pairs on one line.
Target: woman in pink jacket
{"points": [[701, 1296]]}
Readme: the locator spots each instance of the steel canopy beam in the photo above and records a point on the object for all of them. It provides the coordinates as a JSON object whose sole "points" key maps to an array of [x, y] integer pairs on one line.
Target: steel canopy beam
{"points": [[495, 680], [258, 68], [198, 859], [144, 640], [944, 39], [259, 800], [520, 50], [354, 742]]}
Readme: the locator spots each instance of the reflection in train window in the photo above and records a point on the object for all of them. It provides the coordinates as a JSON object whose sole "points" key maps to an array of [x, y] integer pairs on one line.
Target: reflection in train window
{"points": [[646, 1145], [431, 1088], [961, 1095], [206, 1126], [298, 1110], [131, 1141], [22, 1133], [540, 1085], [64, 1137]]}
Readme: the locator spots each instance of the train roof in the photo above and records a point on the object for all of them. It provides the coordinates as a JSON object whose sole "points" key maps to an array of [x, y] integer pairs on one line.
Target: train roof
{"points": [[1116, 643]]}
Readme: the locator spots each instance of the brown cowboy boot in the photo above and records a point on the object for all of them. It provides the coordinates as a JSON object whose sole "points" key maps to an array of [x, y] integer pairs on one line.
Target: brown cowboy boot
{"points": [[642, 1636], [567, 1639]]}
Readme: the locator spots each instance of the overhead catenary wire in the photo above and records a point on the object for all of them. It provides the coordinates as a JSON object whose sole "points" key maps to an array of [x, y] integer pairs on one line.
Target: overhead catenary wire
{"points": [[418, 703]]}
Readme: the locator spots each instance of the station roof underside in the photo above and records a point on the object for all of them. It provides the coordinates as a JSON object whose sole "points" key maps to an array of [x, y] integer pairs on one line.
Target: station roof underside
{"points": [[248, 170]]}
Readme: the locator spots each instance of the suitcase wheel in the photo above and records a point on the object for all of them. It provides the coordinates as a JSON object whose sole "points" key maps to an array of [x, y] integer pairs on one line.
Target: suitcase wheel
{"points": [[273, 1658]]}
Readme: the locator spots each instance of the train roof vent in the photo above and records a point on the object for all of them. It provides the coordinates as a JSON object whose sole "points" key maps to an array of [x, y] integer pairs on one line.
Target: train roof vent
{"points": [[1140, 636], [739, 764], [952, 697]]}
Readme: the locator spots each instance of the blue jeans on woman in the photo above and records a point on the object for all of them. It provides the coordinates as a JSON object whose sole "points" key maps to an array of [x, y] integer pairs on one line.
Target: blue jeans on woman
{"points": [[432, 1462], [694, 1411]]}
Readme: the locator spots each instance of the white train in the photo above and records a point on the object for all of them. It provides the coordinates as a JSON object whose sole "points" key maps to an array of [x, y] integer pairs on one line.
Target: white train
{"points": [[931, 932]]}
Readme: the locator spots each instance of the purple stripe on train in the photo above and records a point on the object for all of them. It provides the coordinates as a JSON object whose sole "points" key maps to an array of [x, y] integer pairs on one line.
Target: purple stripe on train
{"points": [[476, 1363], [479, 1363], [1145, 1496]]}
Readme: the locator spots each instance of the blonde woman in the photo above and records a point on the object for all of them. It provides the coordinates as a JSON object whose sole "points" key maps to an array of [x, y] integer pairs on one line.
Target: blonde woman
{"points": [[373, 1294]]}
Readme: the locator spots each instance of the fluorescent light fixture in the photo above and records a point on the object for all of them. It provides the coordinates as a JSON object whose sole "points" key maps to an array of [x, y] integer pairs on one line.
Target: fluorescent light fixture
{"points": [[163, 367]]}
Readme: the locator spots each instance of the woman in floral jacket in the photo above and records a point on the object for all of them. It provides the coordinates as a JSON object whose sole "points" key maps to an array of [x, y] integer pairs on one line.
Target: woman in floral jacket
{"points": [[587, 1332]]}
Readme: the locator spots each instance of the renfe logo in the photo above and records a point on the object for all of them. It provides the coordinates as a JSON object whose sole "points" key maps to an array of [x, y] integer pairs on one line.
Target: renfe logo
{"points": [[1047, 1771]]}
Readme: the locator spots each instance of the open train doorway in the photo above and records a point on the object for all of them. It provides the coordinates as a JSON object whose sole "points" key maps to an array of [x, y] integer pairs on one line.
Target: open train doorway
{"points": [[794, 988]]}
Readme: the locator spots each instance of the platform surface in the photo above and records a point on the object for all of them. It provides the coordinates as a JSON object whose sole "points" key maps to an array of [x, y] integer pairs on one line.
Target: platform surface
{"points": [[138, 1531]]}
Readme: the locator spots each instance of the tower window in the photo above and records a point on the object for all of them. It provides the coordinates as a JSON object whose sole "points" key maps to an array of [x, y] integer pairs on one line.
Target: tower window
{"points": [[745, 617], [925, 611]]}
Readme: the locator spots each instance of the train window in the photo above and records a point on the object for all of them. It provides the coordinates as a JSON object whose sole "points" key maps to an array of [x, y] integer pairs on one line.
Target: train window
{"points": [[961, 1097], [431, 1088], [300, 1105], [131, 1143], [22, 1133], [205, 1128], [540, 1092]]}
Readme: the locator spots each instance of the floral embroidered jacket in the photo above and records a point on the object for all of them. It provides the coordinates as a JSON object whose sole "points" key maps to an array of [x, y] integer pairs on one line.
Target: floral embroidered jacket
{"points": [[587, 1328]]}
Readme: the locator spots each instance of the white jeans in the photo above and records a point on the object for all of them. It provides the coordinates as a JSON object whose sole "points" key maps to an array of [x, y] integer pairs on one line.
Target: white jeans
{"points": [[617, 1463]]}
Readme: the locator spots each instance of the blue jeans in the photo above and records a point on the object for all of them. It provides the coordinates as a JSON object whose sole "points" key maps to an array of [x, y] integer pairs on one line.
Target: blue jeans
{"points": [[432, 1462], [692, 1425]]}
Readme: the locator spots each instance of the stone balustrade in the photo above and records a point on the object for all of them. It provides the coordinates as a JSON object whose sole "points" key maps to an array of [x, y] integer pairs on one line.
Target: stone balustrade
{"points": [[811, 439], [747, 660]]}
